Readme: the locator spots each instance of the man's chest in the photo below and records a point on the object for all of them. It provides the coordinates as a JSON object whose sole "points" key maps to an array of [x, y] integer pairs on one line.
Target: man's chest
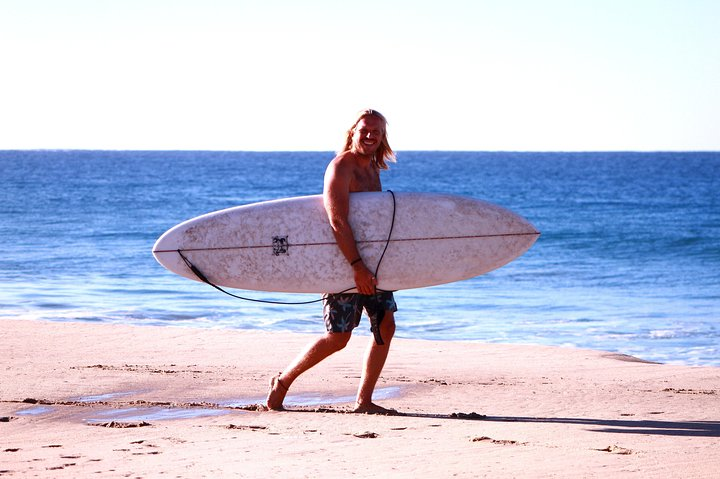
{"points": [[366, 180]]}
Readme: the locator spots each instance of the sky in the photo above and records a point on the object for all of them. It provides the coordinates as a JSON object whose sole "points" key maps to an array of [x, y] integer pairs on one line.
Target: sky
{"points": [[279, 75]]}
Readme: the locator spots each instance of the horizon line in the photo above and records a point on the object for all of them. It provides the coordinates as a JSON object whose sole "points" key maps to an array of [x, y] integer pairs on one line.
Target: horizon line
{"points": [[4, 150]]}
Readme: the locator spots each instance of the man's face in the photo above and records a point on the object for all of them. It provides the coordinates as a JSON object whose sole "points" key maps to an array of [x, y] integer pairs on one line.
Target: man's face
{"points": [[368, 135]]}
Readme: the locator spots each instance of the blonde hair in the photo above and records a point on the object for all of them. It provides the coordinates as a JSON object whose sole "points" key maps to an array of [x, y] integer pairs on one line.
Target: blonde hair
{"points": [[384, 153]]}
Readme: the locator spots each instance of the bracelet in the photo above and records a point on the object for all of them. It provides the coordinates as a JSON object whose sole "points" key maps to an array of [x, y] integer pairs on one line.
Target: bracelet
{"points": [[356, 260]]}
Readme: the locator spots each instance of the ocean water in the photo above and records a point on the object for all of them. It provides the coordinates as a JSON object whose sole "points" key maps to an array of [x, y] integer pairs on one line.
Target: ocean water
{"points": [[628, 260]]}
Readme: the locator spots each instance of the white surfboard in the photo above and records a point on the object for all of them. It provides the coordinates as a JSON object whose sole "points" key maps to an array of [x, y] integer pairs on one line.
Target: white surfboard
{"points": [[287, 245]]}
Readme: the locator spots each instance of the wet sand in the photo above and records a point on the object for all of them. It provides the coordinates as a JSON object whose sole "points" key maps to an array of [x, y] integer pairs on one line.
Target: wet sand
{"points": [[97, 400]]}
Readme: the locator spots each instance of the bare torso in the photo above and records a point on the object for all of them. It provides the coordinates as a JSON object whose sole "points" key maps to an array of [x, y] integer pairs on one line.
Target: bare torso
{"points": [[365, 178]]}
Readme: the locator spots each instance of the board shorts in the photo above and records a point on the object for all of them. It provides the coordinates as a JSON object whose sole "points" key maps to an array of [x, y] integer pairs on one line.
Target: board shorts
{"points": [[342, 311]]}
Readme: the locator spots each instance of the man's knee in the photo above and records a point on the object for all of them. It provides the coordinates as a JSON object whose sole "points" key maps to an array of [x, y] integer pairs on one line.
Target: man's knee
{"points": [[387, 326], [338, 340]]}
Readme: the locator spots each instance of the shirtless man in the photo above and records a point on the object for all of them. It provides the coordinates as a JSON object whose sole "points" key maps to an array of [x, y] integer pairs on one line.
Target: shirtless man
{"points": [[356, 168]]}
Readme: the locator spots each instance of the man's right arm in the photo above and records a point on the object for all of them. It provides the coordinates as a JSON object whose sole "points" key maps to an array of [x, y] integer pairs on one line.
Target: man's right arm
{"points": [[336, 198]]}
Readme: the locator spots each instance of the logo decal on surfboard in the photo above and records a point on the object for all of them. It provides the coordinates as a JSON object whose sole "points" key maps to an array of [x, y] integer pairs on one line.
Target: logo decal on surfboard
{"points": [[280, 245]]}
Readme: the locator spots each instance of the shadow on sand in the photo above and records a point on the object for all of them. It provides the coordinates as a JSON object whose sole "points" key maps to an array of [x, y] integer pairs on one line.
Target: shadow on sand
{"points": [[621, 426]]}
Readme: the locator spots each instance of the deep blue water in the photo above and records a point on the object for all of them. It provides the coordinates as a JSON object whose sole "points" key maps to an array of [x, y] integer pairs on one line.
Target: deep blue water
{"points": [[628, 260]]}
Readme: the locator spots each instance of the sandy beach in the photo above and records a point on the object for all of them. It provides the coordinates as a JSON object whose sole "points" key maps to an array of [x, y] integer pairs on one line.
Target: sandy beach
{"points": [[98, 400]]}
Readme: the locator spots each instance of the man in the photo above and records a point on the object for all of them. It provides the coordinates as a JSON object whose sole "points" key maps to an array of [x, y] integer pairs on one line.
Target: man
{"points": [[356, 168]]}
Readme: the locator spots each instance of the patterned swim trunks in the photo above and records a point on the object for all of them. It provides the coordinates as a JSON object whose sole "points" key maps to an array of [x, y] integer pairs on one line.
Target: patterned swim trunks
{"points": [[342, 311]]}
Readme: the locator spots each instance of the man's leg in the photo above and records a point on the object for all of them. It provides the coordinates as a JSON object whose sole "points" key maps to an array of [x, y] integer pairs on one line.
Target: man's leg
{"points": [[375, 356], [314, 353]]}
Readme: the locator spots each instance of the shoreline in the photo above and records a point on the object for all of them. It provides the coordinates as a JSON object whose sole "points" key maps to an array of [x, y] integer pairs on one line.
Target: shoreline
{"points": [[149, 400], [690, 355]]}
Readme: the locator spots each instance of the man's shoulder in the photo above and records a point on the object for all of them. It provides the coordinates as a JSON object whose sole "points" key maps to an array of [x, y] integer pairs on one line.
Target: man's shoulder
{"points": [[345, 160], [346, 156]]}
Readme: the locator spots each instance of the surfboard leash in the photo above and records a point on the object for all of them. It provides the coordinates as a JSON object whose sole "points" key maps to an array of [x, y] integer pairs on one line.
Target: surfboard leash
{"points": [[204, 278], [387, 241]]}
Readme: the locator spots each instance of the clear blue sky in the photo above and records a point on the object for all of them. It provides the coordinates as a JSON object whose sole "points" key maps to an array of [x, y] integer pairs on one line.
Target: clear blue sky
{"points": [[289, 75]]}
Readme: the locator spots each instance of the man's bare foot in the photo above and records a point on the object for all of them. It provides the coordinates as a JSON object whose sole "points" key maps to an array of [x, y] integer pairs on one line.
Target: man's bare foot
{"points": [[372, 408], [276, 394]]}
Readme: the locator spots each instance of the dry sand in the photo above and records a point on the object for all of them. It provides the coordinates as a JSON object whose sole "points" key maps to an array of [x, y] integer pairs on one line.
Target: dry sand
{"points": [[94, 400]]}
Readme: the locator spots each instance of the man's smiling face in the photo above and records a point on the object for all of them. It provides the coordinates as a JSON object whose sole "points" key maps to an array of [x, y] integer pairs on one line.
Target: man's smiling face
{"points": [[368, 135]]}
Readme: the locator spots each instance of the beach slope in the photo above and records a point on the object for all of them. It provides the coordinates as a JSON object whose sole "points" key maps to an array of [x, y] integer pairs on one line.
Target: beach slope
{"points": [[82, 400]]}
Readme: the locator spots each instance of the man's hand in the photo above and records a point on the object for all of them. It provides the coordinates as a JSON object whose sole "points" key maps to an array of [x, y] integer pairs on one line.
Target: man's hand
{"points": [[365, 281]]}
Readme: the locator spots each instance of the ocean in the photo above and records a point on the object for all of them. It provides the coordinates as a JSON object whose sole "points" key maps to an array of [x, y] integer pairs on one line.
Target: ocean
{"points": [[628, 260]]}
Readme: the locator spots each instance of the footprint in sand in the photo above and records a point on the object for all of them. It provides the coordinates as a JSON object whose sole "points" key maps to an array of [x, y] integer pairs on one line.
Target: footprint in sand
{"points": [[504, 442], [615, 450]]}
